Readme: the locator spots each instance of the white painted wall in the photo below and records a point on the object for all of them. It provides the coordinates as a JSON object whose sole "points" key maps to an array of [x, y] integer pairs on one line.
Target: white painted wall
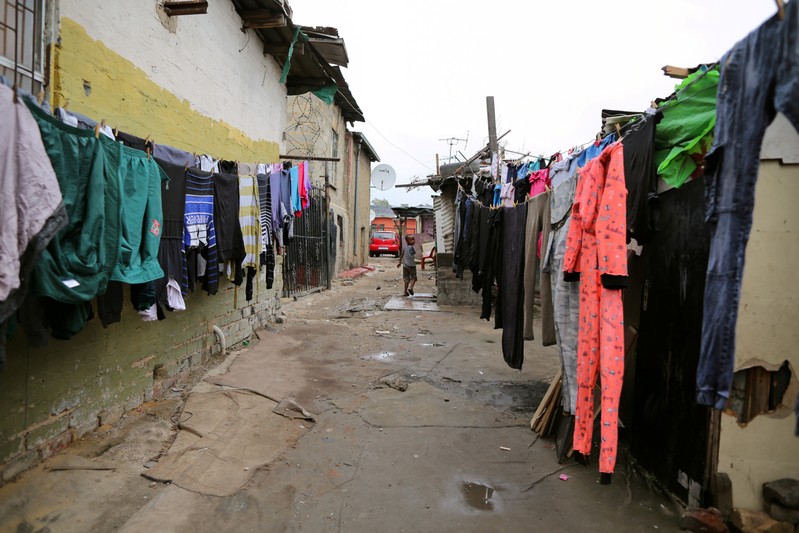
{"points": [[767, 449], [205, 60]]}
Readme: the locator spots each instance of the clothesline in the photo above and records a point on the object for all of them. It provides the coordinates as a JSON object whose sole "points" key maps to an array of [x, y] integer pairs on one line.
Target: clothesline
{"points": [[667, 103]]}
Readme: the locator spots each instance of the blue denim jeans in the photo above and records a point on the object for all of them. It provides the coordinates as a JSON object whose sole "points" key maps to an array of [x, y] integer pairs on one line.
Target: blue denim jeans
{"points": [[759, 77]]}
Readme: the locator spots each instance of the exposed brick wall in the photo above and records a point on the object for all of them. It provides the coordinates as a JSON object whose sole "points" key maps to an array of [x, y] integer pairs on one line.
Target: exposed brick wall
{"points": [[51, 396], [452, 290]]}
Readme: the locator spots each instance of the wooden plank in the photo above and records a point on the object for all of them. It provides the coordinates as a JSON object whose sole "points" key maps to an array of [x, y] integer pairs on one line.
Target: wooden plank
{"points": [[676, 72], [758, 391], [551, 410], [277, 21], [544, 401]]}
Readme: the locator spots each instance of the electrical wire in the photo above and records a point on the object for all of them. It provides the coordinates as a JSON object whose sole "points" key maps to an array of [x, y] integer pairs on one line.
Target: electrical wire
{"points": [[397, 147]]}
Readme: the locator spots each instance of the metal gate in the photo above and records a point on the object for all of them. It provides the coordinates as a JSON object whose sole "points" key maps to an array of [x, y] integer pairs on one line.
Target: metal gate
{"points": [[305, 258]]}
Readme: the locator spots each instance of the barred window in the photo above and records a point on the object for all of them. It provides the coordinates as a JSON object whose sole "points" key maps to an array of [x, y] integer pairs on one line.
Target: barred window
{"points": [[22, 43], [334, 152]]}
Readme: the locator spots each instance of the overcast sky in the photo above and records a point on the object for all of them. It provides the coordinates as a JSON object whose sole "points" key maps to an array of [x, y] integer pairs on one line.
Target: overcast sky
{"points": [[421, 70]]}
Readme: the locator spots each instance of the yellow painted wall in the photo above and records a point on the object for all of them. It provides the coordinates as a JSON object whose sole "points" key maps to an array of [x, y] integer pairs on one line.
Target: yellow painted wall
{"points": [[768, 331], [125, 96], [363, 207], [52, 395]]}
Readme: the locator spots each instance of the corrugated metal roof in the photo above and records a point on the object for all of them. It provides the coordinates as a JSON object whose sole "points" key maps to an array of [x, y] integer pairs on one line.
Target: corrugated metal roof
{"points": [[307, 70], [445, 171], [329, 44], [369, 149], [445, 223], [383, 211]]}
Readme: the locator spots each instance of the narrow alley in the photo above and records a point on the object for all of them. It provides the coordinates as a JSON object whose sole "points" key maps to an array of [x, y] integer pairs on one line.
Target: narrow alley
{"points": [[345, 417]]}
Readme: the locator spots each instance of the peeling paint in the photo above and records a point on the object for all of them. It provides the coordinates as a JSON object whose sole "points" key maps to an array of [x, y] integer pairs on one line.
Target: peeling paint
{"points": [[127, 98]]}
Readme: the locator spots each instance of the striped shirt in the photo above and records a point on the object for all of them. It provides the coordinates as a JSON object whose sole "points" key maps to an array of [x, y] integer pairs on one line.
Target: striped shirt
{"points": [[249, 218], [265, 206], [198, 227]]}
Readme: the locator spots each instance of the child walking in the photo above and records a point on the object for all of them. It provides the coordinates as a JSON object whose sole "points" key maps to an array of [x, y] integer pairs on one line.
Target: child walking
{"points": [[408, 263]]}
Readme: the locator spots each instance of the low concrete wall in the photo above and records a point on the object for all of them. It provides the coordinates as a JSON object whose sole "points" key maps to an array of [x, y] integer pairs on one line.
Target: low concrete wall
{"points": [[451, 290], [52, 396]]}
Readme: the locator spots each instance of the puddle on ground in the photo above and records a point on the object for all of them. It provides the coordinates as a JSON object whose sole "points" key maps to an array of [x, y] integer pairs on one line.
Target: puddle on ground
{"points": [[478, 496], [380, 356]]}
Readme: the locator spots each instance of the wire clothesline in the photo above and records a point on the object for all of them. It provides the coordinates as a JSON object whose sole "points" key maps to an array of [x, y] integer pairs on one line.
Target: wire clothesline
{"points": [[669, 102]]}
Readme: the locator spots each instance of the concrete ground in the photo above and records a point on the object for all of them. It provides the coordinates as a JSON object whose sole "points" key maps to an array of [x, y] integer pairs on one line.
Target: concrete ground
{"points": [[345, 417]]}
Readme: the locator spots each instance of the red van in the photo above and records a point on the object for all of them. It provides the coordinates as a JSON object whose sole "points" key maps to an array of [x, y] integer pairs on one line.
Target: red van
{"points": [[384, 242]]}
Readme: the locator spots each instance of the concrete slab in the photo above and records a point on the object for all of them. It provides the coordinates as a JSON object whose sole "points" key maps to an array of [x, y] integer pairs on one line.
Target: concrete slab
{"points": [[411, 303], [423, 405], [233, 427], [377, 459]]}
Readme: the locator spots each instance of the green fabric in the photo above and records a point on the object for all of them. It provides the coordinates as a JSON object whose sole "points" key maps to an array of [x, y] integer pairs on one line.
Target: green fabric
{"points": [[287, 65], [142, 218], [685, 133], [77, 264], [326, 93]]}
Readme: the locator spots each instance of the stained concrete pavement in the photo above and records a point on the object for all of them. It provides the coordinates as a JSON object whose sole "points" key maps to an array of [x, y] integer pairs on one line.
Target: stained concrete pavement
{"points": [[418, 425]]}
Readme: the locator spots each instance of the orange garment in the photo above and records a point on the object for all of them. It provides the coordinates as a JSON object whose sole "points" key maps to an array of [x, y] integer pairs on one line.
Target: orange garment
{"points": [[596, 254]]}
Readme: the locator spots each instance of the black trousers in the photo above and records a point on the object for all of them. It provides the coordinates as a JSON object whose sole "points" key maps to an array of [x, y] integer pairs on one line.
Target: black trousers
{"points": [[511, 287]]}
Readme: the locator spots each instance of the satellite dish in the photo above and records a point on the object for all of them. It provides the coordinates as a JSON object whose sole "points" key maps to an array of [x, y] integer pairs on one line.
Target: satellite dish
{"points": [[372, 215], [383, 177]]}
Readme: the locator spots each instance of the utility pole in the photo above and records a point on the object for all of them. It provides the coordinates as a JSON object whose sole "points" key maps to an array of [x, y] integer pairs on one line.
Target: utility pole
{"points": [[492, 131]]}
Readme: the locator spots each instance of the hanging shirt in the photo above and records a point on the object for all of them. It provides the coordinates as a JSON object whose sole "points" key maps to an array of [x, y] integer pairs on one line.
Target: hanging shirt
{"points": [[208, 164], [230, 242], [32, 209], [497, 196], [594, 149], [507, 194], [265, 209], [274, 192], [504, 177], [308, 186], [539, 182], [521, 189], [640, 173], [199, 230], [303, 187], [171, 254], [249, 218], [296, 203]]}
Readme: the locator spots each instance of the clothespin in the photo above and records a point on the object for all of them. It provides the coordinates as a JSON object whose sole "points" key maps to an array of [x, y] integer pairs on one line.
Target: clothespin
{"points": [[97, 131], [66, 105], [780, 9], [618, 130], [40, 97], [116, 130]]}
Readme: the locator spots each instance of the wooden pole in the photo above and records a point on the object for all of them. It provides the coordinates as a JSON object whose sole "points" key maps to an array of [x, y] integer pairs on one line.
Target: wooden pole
{"points": [[492, 129], [438, 167], [328, 223]]}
